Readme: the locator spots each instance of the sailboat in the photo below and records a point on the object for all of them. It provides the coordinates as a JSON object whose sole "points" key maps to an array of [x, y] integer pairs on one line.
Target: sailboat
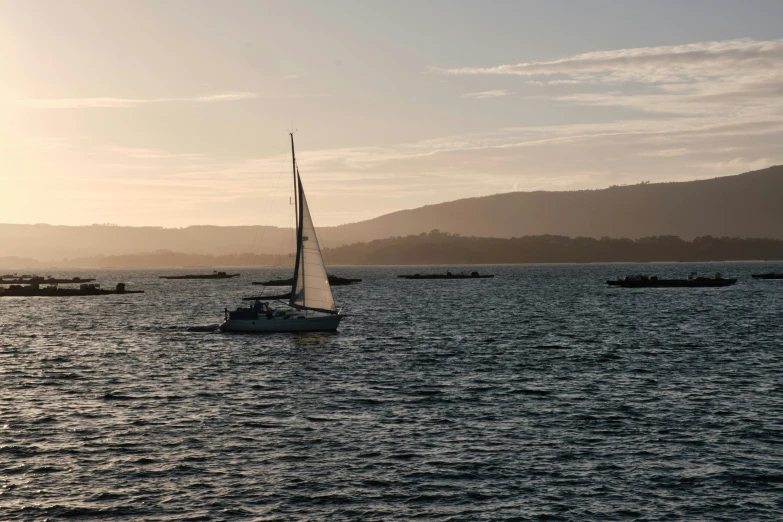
{"points": [[311, 307]]}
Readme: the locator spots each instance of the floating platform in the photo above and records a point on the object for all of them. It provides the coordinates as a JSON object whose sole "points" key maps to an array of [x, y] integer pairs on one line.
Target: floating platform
{"points": [[216, 275], [447, 275], [268, 297], [333, 281], [770, 275], [29, 280], [642, 281], [83, 290]]}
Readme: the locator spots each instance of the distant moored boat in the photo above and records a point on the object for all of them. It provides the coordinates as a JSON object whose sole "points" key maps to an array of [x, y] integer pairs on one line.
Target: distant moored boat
{"points": [[333, 281], [85, 289], [643, 281], [216, 275], [447, 275]]}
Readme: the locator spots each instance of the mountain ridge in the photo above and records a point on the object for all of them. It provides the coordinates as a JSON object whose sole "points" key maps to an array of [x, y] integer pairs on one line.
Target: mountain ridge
{"points": [[746, 205]]}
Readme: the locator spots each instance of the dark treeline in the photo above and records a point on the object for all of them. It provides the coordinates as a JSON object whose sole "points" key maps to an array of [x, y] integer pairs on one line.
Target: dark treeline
{"points": [[443, 248], [438, 248]]}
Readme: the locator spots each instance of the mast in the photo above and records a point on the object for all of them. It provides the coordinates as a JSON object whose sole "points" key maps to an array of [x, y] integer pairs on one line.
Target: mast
{"points": [[293, 168], [300, 231], [298, 213]]}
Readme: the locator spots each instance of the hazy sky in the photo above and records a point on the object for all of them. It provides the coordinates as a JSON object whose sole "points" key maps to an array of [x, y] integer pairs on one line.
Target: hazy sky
{"points": [[176, 113]]}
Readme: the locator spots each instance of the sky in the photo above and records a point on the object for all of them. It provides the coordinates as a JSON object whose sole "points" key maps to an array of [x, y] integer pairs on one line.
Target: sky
{"points": [[177, 113]]}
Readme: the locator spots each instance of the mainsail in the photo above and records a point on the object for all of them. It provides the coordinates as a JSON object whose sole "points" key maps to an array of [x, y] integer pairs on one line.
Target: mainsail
{"points": [[311, 289]]}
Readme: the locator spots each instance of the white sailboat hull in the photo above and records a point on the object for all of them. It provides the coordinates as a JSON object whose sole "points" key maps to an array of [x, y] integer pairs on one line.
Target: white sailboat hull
{"points": [[291, 323]]}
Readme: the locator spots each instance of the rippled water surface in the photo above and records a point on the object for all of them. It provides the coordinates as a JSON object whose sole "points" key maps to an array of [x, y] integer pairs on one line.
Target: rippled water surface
{"points": [[540, 394]]}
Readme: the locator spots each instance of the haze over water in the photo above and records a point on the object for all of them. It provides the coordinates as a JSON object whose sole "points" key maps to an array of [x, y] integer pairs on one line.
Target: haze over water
{"points": [[540, 394]]}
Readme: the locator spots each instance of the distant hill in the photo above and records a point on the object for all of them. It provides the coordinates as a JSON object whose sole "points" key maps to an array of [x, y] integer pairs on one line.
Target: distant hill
{"points": [[53, 242], [746, 205], [437, 248]]}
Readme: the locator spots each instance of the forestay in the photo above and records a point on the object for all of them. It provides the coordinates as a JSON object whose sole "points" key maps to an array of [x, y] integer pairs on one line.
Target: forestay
{"points": [[311, 289]]}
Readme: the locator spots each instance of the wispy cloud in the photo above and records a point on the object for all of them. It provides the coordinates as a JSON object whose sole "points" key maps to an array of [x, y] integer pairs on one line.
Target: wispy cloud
{"points": [[499, 93], [666, 153], [291, 76], [109, 102], [649, 64], [730, 78]]}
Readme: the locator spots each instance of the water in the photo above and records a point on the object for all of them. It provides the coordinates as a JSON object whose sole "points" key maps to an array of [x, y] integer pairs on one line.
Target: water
{"points": [[540, 394]]}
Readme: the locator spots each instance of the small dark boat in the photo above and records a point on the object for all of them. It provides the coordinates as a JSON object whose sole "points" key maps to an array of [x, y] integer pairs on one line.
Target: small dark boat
{"points": [[216, 275], [643, 281], [770, 275], [279, 297], [52, 291], [333, 281], [447, 275], [28, 280]]}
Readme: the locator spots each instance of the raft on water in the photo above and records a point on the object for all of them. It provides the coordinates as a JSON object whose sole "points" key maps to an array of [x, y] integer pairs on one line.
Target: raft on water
{"points": [[216, 275], [268, 297], [447, 275], [333, 281], [770, 275], [34, 290], [643, 281]]}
